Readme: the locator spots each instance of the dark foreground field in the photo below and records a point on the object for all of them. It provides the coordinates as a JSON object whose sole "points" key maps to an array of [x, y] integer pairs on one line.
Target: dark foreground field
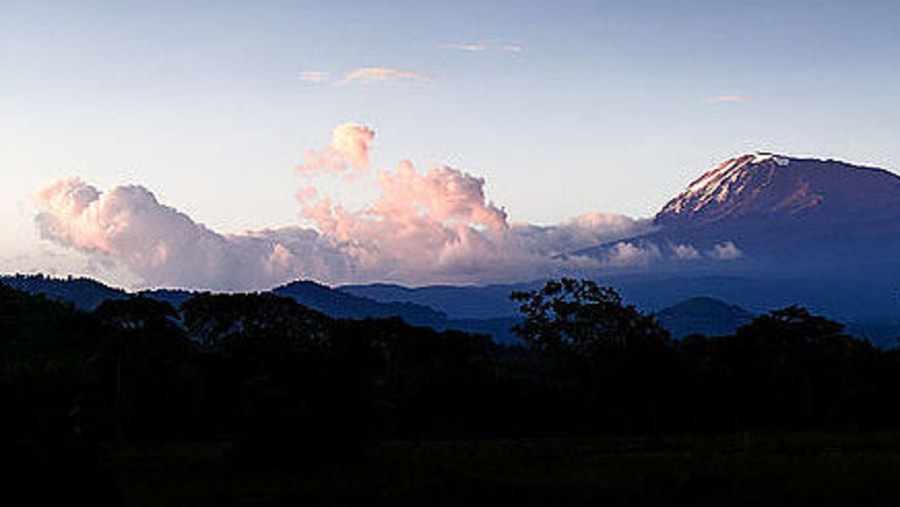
{"points": [[251, 399], [737, 469]]}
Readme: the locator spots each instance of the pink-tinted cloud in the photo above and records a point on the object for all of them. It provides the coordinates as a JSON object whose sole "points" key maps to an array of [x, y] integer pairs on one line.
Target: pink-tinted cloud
{"points": [[307, 194], [368, 75], [721, 99], [433, 226], [164, 247], [349, 149], [420, 222], [438, 225]]}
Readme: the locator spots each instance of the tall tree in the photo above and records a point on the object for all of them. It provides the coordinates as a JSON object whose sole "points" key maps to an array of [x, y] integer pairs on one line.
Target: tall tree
{"points": [[569, 317]]}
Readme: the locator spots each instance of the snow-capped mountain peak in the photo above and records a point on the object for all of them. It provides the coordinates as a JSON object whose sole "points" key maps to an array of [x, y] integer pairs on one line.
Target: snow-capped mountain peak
{"points": [[727, 181], [767, 185]]}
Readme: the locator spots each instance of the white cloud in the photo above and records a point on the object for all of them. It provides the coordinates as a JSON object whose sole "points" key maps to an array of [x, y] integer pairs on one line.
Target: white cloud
{"points": [[685, 252], [725, 251], [582, 232], [625, 253]]}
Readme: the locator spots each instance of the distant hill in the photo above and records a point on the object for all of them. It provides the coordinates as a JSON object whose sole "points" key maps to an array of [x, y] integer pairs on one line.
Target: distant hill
{"points": [[174, 297], [85, 293], [338, 303], [463, 302], [488, 310], [703, 315]]}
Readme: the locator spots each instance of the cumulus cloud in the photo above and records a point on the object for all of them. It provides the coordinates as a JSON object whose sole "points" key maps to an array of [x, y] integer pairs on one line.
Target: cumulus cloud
{"points": [[438, 224], [625, 253], [166, 248], [685, 252], [420, 222], [368, 75], [725, 251], [349, 149], [422, 226]]}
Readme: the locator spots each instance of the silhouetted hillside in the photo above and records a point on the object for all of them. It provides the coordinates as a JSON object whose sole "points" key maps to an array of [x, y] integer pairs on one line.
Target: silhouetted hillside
{"points": [[463, 302], [174, 297], [337, 303], [84, 293], [703, 315]]}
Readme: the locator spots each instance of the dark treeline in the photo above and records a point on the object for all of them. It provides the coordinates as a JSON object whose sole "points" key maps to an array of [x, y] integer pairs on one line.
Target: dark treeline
{"points": [[287, 385]]}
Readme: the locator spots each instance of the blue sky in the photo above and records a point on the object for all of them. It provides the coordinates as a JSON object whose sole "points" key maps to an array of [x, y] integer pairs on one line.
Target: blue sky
{"points": [[565, 108]]}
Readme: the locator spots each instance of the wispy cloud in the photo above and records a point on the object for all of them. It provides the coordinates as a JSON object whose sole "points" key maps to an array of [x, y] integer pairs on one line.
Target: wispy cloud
{"points": [[368, 75], [314, 76], [727, 98], [477, 47]]}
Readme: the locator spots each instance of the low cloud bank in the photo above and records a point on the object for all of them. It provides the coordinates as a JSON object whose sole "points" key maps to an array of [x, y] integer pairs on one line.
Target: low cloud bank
{"points": [[433, 226]]}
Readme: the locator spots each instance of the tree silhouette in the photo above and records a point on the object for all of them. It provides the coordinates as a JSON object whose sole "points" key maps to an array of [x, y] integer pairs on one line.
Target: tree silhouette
{"points": [[144, 357], [570, 317], [610, 363], [794, 368], [274, 357]]}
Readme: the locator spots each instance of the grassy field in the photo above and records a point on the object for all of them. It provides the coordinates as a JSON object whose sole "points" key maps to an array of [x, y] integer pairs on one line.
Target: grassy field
{"points": [[742, 469]]}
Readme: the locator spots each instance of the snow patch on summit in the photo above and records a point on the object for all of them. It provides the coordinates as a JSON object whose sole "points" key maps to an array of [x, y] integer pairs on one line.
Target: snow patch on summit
{"points": [[726, 181], [762, 156]]}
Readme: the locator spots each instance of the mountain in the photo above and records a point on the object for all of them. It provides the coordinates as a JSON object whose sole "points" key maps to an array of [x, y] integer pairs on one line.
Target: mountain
{"points": [[763, 209], [767, 230], [782, 190], [703, 315]]}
